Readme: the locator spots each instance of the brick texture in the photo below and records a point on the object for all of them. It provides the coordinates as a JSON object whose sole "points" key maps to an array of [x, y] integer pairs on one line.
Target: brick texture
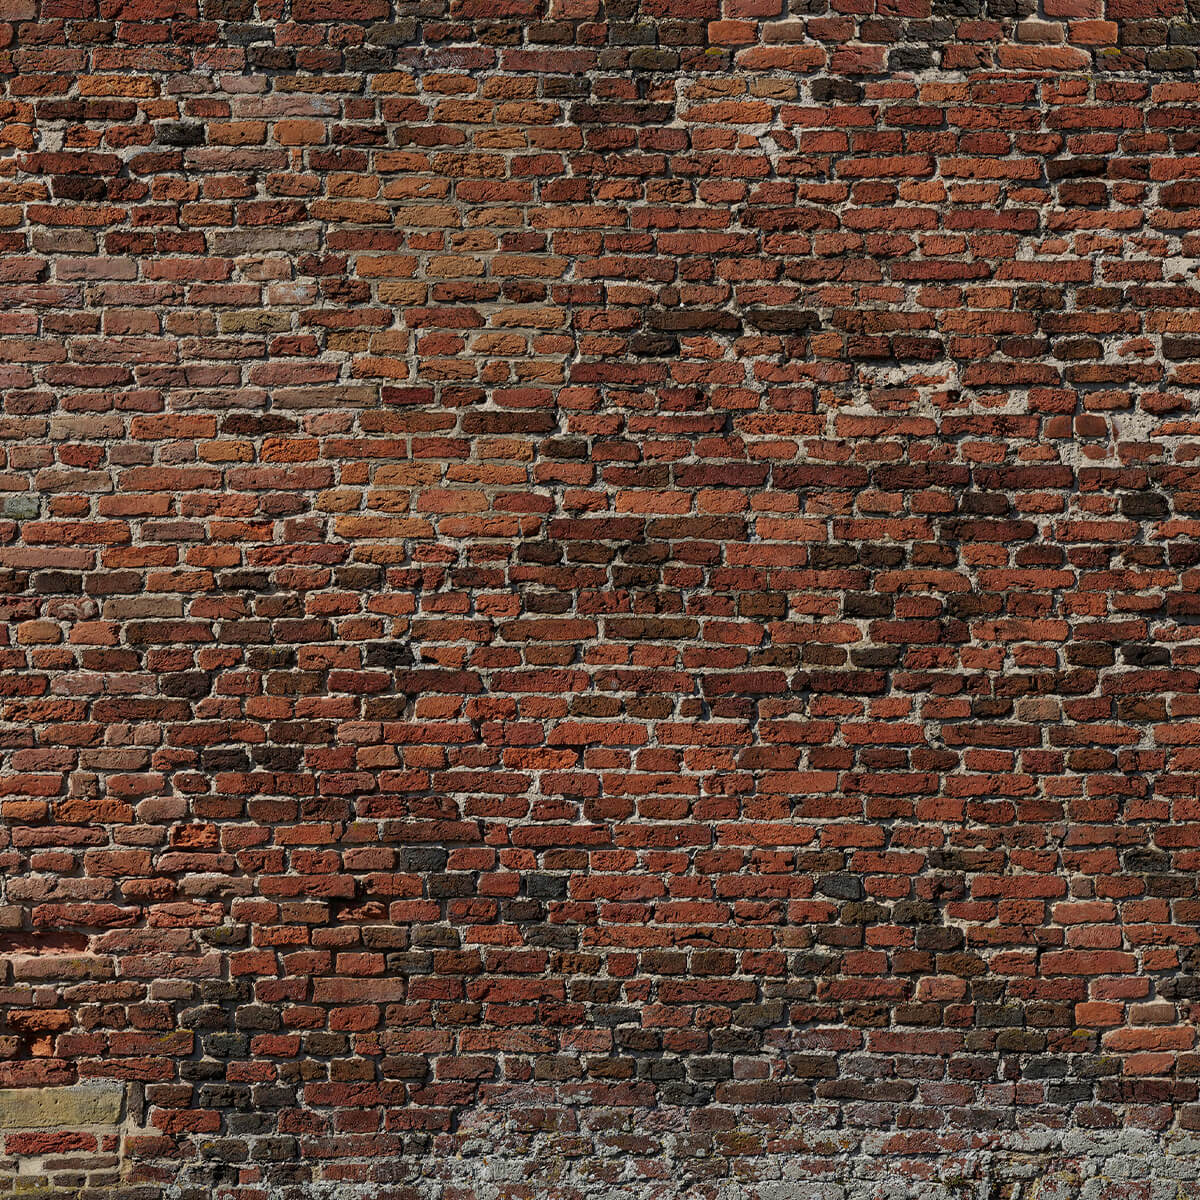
{"points": [[602, 599]]}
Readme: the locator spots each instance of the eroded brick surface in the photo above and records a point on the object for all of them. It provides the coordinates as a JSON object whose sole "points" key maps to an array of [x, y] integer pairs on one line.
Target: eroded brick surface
{"points": [[601, 599]]}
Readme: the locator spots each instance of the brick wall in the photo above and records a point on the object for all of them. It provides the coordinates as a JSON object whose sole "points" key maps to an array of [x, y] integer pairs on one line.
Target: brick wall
{"points": [[602, 598]]}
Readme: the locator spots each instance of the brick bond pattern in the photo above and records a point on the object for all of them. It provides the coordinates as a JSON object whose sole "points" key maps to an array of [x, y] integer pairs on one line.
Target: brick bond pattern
{"points": [[602, 600]]}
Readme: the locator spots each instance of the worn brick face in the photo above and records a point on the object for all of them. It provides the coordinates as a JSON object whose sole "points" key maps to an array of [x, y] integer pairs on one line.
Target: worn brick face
{"points": [[602, 599]]}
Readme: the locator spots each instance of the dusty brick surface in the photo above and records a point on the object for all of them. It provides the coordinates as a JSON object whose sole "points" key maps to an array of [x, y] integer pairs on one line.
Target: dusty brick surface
{"points": [[602, 599]]}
